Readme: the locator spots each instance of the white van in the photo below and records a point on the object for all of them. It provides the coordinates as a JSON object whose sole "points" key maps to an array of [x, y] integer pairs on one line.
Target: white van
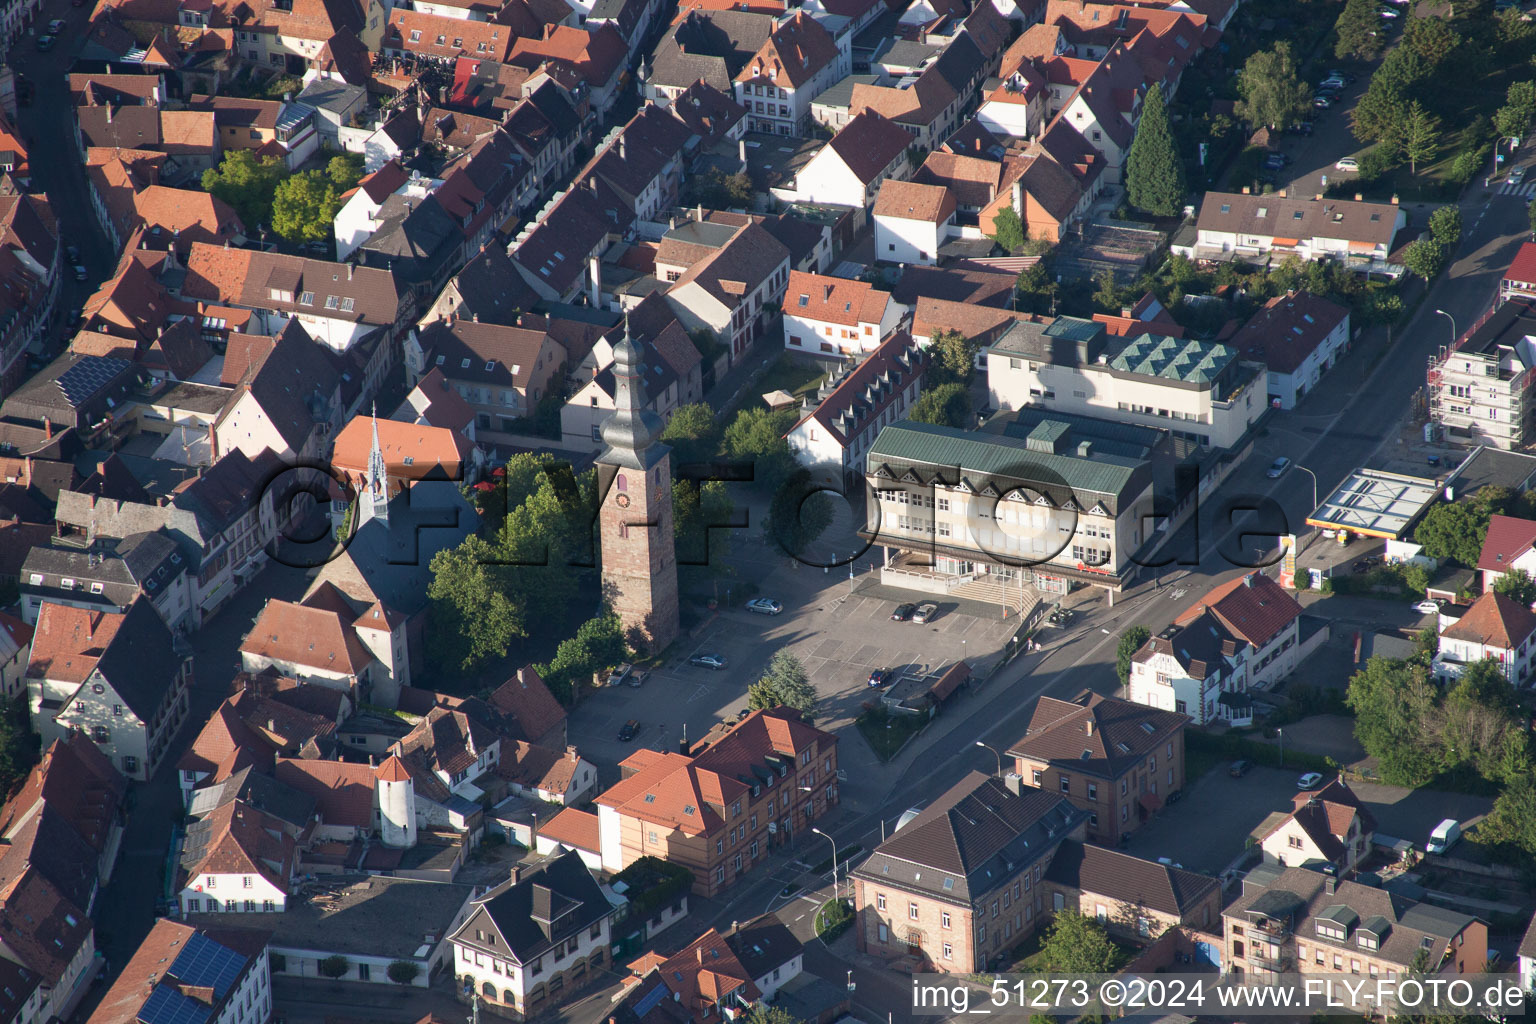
{"points": [[1444, 836]]}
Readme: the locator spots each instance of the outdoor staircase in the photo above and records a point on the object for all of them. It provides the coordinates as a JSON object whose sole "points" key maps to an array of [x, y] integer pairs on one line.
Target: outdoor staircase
{"points": [[1018, 600]]}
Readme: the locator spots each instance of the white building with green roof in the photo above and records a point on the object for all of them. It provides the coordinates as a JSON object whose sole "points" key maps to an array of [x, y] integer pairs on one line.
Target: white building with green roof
{"points": [[984, 515], [1202, 391]]}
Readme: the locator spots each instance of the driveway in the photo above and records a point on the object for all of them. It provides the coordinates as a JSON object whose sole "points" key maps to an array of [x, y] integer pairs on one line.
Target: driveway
{"points": [[1412, 814], [1208, 828]]}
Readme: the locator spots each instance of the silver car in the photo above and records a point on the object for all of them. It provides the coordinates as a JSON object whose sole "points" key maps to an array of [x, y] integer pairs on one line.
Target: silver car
{"points": [[925, 613]]}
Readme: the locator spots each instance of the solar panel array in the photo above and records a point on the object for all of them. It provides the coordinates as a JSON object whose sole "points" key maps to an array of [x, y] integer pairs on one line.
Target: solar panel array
{"points": [[204, 962], [165, 1005], [86, 378]]}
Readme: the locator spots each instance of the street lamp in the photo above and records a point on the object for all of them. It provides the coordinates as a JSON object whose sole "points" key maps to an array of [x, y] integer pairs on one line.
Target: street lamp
{"points": [[1453, 324], [996, 754], [834, 857]]}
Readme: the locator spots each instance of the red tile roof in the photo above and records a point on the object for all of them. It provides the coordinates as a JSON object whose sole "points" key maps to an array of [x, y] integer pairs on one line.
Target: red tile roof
{"points": [[527, 700], [1522, 269], [703, 973], [411, 452], [1253, 607], [302, 635], [835, 300], [68, 642], [573, 828], [342, 791], [908, 200], [1507, 539], [1287, 329], [223, 735], [1494, 621]]}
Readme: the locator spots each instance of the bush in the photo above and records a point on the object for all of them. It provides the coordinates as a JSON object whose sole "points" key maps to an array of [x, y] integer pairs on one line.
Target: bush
{"points": [[403, 972], [834, 918], [333, 967]]}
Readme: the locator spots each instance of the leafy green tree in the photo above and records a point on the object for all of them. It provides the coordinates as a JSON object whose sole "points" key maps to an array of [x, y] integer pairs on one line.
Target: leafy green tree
{"points": [[246, 184], [1358, 30], [1483, 729], [1424, 258], [345, 171], [334, 966], [694, 434], [598, 644], [798, 512], [770, 1014], [1008, 229], [1517, 585], [1416, 578], [1392, 700], [1077, 944], [784, 683], [1037, 286], [1522, 96], [304, 207], [1154, 174], [1273, 94], [1512, 29], [1530, 216], [954, 358], [1510, 120], [1131, 641], [717, 190], [1421, 136], [472, 617], [1454, 530], [756, 435], [1432, 39], [1445, 227], [1512, 822], [948, 405], [403, 972], [1379, 117]]}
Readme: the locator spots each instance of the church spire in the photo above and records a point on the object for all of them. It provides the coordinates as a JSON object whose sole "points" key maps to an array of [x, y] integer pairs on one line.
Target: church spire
{"points": [[634, 427], [374, 501]]}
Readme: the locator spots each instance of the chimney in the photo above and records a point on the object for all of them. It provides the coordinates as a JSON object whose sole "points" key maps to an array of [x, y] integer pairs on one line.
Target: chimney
{"points": [[700, 951], [1281, 193], [515, 874], [1247, 190], [1394, 200], [621, 147], [47, 427], [1330, 883], [1015, 783], [1088, 726], [350, 268], [1359, 197], [741, 151], [109, 113], [570, 752]]}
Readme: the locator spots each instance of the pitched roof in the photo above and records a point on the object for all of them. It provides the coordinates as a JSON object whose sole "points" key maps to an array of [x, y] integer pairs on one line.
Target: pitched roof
{"points": [[235, 839], [1494, 620], [1287, 329], [68, 642], [703, 973], [908, 200], [574, 828], [293, 387], [981, 324], [222, 735], [836, 300], [526, 701], [1507, 539], [1522, 269], [1105, 737], [545, 906], [39, 926], [1274, 216], [186, 971], [972, 180], [301, 634], [342, 791], [411, 451], [869, 143], [976, 836], [445, 741], [863, 394], [1325, 816], [486, 353], [734, 270], [796, 51], [1252, 606], [1129, 880]]}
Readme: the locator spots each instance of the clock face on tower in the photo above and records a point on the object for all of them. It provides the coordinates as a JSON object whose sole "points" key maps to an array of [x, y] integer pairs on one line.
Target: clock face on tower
{"points": [[622, 501]]}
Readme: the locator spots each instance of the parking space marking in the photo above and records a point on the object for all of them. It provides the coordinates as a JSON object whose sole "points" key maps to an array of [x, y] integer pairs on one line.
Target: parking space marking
{"points": [[827, 648], [699, 693], [865, 655]]}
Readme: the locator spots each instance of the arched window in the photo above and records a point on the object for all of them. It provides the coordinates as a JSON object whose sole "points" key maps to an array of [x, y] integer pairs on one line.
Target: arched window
{"points": [[621, 483], [509, 997], [488, 990]]}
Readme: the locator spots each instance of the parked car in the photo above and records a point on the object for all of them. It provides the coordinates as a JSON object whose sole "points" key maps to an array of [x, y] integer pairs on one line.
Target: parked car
{"points": [[925, 612], [56, 26], [627, 675], [1240, 768], [1332, 82], [80, 273], [1277, 468], [45, 43], [1427, 607], [1387, 12], [1275, 161], [764, 606], [628, 730], [1310, 780], [710, 661], [903, 612], [73, 253], [1444, 836], [1322, 103], [1516, 175], [1349, 163], [881, 676]]}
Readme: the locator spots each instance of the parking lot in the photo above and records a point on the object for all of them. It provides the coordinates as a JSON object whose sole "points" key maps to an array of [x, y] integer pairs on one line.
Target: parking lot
{"points": [[1207, 829], [839, 630]]}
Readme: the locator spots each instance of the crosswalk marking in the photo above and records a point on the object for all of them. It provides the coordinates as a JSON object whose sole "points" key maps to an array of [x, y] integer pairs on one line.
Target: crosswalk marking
{"points": [[1525, 190]]}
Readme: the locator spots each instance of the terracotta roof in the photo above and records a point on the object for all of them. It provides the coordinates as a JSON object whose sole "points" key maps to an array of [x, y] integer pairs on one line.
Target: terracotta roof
{"points": [[738, 267], [445, 741], [1325, 816], [574, 828], [537, 767], [489, 354], [1287, 329], [526, 700], [68, 642], [223, 734], [973, 180], [316, 638], [796, 51], [236, 839], [43, 930], [410, 451], [442, 37], [865, 392], [1130, 881], [907, 200], [435, 402], [702, 973], [869, 143], [1522, 269], [1493, 620], [1105, 737], [341, 790], [171, 949], [75, 780], [835, 300], [392, 770], [190, 216], [1507, 539], [188, 132], [1252, 606], [919, 104], [243, 356], [978, 323]]}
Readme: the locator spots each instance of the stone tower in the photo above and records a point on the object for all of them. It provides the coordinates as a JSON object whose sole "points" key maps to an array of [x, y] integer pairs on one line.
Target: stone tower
{"points": [[635, 521], [397, 804]]}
